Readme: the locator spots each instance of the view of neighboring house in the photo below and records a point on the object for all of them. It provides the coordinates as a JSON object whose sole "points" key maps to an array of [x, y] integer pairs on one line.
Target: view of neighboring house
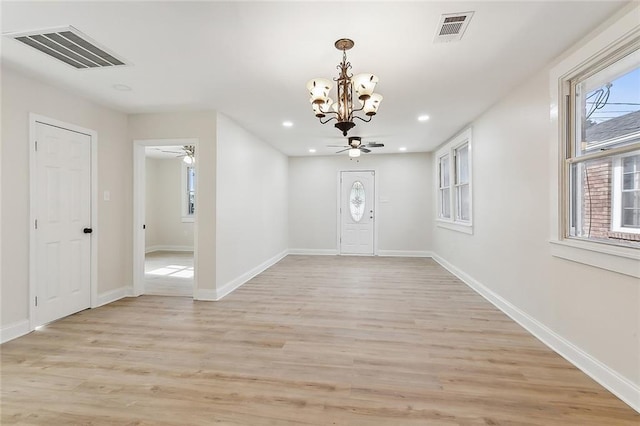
{"points": [[610, 189]]}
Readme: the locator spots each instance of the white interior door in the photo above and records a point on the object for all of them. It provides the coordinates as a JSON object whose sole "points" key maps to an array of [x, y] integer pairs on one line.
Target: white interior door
{"points": [[63, 223], [357, 216]]}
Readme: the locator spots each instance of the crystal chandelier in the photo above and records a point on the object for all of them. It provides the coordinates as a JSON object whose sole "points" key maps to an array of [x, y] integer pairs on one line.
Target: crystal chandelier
{"points": [[343, 110]]}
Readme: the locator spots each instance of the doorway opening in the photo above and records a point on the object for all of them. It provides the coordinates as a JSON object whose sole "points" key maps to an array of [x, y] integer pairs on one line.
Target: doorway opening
{"points": [[165, 209]]}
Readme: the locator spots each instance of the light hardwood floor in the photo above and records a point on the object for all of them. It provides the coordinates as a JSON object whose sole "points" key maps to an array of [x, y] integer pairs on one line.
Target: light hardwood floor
{"points": [[311, 341], [168, 273]]}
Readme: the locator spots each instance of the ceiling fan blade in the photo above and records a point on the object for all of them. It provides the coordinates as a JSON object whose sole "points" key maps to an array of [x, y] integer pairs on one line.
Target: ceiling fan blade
{"points": [[365, 150], [171, 152], [343, 150], [337, 146], [375, 145]]}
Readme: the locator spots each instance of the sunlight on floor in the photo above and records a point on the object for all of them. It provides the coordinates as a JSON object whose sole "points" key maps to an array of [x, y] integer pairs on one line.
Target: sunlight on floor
{"points": [[174, 271], [169, 273]]}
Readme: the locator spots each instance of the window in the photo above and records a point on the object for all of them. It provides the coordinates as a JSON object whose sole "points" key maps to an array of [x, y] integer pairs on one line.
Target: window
{"points": [[454, 183], [586, 184], [445, 187], [189, 192], [357, 201], [602, 159], [463, 197]]}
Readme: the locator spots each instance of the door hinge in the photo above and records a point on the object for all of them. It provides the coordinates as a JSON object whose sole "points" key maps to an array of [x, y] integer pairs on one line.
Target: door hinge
{"points": [[36, 300], [36, 224]]}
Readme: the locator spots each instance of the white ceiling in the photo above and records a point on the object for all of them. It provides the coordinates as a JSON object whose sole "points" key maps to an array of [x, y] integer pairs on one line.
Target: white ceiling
{"points": [[251, 60]]}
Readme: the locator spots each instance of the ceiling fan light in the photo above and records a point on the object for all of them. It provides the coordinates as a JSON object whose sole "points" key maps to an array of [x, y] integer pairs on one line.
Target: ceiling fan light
{"points": [[354, 152], [188, 159], [364, 85], [319, 89], [372, 104]]}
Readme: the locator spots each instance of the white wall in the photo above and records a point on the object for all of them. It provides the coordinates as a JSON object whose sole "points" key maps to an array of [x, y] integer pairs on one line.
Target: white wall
{"points": [[404, 191], [20, 96], [583, 307], [165, 229], [202, 126], [251, 204]]}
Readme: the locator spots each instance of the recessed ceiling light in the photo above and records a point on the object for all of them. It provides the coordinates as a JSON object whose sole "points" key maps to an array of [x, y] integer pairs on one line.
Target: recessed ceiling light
{"points": [[402, 148], [122, 87], [423, 118], [287, 123], [312, 150]]}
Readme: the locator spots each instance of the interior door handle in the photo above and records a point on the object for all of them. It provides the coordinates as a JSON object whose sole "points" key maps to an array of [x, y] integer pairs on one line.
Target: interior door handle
{"points": [[87, 230]]}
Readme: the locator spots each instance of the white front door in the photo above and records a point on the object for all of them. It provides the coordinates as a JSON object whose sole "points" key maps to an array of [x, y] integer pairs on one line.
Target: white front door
{"points": [[63, 222], [357, 195]]}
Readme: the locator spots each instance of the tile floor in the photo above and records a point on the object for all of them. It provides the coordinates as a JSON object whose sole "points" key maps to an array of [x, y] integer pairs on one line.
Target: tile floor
{"points": [[169, 273]]}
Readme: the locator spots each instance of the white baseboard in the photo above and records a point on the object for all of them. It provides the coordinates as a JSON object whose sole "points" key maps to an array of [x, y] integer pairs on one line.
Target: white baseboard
{"points": [[227, 288], [205, 295], [405, 253], [333, 252], [314, 252], [151, 249], [620, 386], [14, 330], [111, 296]]}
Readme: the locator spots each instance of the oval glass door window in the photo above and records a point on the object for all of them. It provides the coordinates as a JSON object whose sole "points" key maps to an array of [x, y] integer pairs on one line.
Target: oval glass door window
{"points": [[357, 201]]}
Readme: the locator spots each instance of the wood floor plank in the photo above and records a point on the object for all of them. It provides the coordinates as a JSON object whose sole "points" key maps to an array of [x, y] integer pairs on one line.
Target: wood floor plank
{"points": [[324, 340]]}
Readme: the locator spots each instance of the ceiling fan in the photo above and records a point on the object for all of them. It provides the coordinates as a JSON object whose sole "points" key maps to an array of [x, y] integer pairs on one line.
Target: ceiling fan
{"points": [[188, 153], [356, 146]]}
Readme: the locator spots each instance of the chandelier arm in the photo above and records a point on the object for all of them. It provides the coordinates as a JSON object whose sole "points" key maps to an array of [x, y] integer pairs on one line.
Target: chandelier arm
{"points": [[360, 118], [359, 109], [335, 117]]}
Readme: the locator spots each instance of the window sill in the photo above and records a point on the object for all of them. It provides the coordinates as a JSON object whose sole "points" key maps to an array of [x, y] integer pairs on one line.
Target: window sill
{"points": [[622, 260], [455, 226], [187, 219]]}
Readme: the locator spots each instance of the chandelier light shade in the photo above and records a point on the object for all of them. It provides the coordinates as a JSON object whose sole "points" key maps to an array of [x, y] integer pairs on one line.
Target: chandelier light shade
{"points": [[343, 110]]}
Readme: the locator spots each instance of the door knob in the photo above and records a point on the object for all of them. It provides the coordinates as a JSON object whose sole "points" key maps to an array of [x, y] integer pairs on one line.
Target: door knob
{"points": [[87, 230]]}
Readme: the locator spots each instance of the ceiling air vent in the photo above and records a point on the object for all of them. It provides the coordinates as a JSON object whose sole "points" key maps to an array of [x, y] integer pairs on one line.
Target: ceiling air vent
{"points": [[452, 26], [70, 46]]}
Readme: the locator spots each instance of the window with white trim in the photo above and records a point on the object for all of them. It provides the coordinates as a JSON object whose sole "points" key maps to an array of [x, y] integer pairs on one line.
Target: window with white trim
{"points": [[454, 183], [445, 187], [188, 192], [602, 154], [462, 185]]}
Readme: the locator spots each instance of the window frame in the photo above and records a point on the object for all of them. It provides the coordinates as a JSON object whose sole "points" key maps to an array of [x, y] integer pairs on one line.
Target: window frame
{"points": [[459, 185], [451, 150], [611, 64], [621, 33], [442, 214], [184, 189]]}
